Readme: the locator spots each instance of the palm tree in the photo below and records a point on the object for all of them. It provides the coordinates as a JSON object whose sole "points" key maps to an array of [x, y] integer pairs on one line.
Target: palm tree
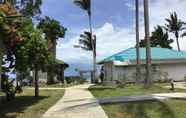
{"points": [[86, 44], [86, 5], [175, 26], [85, 41], [147, 38], [160, 37], [138, 73]]}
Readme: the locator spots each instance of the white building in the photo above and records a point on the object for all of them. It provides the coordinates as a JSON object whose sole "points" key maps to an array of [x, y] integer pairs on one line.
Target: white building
{"points": [[166, 64]]}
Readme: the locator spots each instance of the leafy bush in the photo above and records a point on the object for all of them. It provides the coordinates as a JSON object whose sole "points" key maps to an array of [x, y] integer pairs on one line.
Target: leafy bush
{"points": [[75, 80], [8, 88]]}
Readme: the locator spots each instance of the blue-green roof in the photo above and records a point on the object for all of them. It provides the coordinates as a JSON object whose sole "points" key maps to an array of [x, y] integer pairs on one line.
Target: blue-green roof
{"points": [[156, 54]]}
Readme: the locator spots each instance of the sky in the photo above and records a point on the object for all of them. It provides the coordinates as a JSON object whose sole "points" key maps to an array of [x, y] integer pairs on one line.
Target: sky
{"points": [[113, 23]]}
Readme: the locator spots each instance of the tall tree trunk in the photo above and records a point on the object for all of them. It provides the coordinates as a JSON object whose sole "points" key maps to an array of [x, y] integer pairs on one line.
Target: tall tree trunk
{"points": [[138, 72], [36, 83], [148, 49], [52, 49], [92, 42], [178, 45]]}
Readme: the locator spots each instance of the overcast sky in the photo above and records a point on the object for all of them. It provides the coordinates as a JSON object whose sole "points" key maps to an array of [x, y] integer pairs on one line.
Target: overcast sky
{"points": [[113, 23]]}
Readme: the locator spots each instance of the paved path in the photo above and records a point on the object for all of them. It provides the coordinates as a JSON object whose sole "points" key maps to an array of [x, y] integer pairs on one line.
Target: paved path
{"points": [[77, 102], [43, 88], [160, 96], [179, 85]]}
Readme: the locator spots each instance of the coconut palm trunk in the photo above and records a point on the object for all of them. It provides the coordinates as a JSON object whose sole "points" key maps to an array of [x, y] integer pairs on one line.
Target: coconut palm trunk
{"points": [[93, 47], [147, 38], [138, 73], [177, 41]]}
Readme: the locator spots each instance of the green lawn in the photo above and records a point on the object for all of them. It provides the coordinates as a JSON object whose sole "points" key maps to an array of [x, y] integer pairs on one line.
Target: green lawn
{"points": [[128, 90], [26, 106], [1, 94], [148, 109]]}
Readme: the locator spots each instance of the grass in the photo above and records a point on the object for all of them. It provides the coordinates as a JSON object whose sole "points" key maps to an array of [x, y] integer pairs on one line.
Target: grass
{"points": [[26, 106], [146, 109], [128, 90], [1, 94], [57, 85]]}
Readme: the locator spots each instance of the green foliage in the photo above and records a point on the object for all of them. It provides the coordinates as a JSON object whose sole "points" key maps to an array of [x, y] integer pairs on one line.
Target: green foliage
{"points": [[8, 87], [174, 24], [159, 38], [85, 41], [53, 31], [51, 28], [75, 80], [26, 7], [84, 4], [32, 51]]}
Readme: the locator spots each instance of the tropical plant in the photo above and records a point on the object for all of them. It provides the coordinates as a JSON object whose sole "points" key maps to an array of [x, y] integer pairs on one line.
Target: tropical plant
{"points": [[175, 26], [52, 30], [85, 41], [86, 5], [159, 38]]}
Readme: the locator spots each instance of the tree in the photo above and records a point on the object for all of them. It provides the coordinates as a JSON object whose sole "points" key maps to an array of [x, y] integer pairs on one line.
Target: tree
{"points": [[9, 9], [27, 8], [147, 39], [53, 30], [8, 35], [86, 5], [175, 26], [138, 72], [33, 51], [86, 44], [85, 41], [159, 38], [38, 56]]}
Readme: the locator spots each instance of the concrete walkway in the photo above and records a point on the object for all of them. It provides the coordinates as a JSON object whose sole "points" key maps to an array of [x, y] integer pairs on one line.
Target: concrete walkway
{"points": [[47, 88], [160, 96], [77, 102], [179, 85]]}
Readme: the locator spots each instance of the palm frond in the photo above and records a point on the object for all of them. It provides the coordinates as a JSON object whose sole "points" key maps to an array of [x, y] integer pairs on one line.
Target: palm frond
{"points": [[84, 4], [184, 34]]}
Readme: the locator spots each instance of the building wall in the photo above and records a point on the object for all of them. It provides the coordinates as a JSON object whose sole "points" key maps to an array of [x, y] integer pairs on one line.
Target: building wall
{"points": [[175, 71], [159, 72], [108, 67]]}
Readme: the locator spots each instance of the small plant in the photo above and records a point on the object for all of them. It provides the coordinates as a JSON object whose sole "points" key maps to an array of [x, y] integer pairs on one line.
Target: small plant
{"points": [[9, 89], [185, 78]]}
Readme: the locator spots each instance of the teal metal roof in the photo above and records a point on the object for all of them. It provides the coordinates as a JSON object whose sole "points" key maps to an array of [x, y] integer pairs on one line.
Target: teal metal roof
{"points": [[156, 54]]}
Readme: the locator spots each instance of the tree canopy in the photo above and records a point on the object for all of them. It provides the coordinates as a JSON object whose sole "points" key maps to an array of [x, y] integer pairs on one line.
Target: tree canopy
{"points": [[159, 37], [25, 7]]}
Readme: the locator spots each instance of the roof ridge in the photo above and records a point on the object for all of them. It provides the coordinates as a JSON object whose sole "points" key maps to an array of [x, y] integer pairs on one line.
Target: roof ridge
{"points": [[119, 52]]}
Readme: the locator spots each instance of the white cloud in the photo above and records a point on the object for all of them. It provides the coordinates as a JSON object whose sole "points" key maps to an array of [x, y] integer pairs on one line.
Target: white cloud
{"points": [[109, 41], [112, 39]]}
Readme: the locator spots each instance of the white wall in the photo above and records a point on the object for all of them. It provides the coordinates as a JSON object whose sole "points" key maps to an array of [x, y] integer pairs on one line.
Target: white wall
{"points": [[163, 71], [175, 71]]}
